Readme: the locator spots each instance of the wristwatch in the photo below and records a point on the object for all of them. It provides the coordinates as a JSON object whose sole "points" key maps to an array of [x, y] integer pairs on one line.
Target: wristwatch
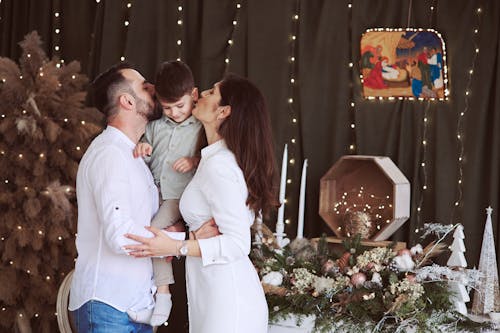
{"points": [[183, 250]]}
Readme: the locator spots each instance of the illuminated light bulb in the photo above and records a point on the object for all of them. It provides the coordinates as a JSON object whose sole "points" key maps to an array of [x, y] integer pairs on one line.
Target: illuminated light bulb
{"points": [[235, 22], [42, 155], [292, 161], [47, 278], [287, 221], [83, 122], [467, 93], [20, 77], [460, 181], [424, 142], [56, 31], [471, 71], [417, 230], [97, 1], [20, 315], [11, 262], [458, 136], [476, 31], [353, 125], [40, 232], [36, 314], [479, 10], [129, 5], [293, 140], [352, 104], [56, 14], [230, 42], [432, 7], [462, 114], [460, 158], [28, 271], [292, 59], [24, 111], [178, 59], [19, 227], [238, 5], [285, 201], [424, 187], [292, 80], [295, 17], [28, 55], [73, 77], [349, 5], [41, 74], [226, 60], [58, 65], [26, 188], [294, 37], [126, 23], [179, 22], [350, 64], [418, 209], [6, 181], [59, 238], [20, 155], [423, 164], [477, 50], [179, 42], [179, 8], [122, 58], [65, 120], [425, 120], [351, 147], [289, 181], [456, 203], [290, 100], [77, 148]]}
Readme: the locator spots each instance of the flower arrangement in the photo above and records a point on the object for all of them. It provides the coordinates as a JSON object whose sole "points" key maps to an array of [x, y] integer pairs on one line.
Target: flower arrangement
{"points": [[361, 290]]}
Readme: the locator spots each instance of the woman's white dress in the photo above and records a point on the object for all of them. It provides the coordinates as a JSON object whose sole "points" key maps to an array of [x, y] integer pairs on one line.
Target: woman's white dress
{"points": [[223, 290]]}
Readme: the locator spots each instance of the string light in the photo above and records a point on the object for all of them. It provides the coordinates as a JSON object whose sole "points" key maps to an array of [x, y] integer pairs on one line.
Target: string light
{"points": [[460, 120], [126, 25], [230, 41], [293, 86], [351, 109], [56, 36], [180, 28]]}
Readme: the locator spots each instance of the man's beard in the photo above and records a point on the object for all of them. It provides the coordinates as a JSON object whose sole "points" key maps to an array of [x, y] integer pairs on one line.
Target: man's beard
{"points": [[146, 110]]}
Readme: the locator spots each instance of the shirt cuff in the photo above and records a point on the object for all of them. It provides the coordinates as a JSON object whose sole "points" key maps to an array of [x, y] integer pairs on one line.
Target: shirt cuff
{"points": [[210, 251]]}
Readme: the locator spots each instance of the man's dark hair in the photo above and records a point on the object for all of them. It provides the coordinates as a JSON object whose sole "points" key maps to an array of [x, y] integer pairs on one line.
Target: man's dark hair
{"points": [[103, 90], [173, 80]]}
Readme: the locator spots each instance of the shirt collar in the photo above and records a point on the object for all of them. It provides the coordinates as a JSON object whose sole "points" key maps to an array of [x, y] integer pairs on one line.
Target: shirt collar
{"points": [[115, 132], [213, 148], [190, 120]]}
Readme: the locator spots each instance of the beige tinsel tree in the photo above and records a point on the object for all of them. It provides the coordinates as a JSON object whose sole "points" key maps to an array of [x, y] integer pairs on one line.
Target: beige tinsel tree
{"points": [[44, 130]]}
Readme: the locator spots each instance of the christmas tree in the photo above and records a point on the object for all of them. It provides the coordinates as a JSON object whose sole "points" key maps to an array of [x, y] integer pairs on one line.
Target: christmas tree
{"points": [[44, 130], [487, 297], [457, 260]]}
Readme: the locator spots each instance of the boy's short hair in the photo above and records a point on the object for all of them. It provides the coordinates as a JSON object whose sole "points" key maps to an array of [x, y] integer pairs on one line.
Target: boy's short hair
{"points": [[173, 80], [103, 90]]}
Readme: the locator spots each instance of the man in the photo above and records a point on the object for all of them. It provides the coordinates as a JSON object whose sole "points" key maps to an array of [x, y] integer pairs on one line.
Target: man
{"points": [[116, 195]]}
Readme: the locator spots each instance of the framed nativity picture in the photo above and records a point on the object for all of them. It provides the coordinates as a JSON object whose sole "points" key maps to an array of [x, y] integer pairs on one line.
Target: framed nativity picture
{"points": [[404, 64]]}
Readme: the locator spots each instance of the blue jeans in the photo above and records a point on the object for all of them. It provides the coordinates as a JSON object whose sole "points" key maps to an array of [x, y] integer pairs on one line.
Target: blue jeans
{"points": [[98, 317]]}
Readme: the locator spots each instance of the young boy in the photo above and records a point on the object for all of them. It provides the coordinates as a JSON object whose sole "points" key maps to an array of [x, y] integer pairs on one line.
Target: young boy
{"points": [[169, 147]]}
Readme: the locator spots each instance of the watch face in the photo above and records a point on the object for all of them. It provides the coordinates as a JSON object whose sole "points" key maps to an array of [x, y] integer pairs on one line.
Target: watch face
{"points": [[183, 250]]}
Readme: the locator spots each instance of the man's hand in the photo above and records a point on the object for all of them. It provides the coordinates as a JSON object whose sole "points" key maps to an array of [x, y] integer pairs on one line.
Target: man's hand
{"points": [[208, 230], [142, 149], [185, 164]]}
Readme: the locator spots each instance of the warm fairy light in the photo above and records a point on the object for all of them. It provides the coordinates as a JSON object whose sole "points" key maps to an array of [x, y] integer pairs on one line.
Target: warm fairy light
{"points": [[77, 148], [122, 58], [47, 278], [126, 23], [288, 181], [56, 14], [40, 232], [292, 161], [57, 31], [179, 8], [129, 5], [59, 238]]}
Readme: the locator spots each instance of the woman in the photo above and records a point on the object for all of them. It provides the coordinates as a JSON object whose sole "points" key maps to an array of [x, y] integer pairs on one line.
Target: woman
{"points": [[234, 181]]}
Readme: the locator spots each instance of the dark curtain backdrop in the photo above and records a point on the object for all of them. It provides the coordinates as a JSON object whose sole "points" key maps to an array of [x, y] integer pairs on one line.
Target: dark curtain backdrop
{"points": [[328, 39]]}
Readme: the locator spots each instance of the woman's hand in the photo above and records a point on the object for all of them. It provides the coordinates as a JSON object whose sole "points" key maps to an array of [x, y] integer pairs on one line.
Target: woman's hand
{"points": [[158, 246]]}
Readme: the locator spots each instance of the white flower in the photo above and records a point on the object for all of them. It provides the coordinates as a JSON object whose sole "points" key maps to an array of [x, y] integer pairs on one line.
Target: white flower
{"points": [[376, 278], [368, 297], [404, 263], [417, 249], [273, 278], [322, 284]]}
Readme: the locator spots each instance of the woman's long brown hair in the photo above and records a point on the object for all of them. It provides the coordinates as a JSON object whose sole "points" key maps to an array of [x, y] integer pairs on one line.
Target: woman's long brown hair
{"points": [[247, 132]]}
